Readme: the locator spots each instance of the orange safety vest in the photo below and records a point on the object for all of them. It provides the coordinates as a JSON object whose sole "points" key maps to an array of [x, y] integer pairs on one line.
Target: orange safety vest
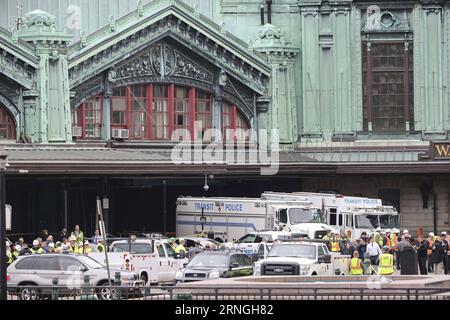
{"points": [[389, 243]]}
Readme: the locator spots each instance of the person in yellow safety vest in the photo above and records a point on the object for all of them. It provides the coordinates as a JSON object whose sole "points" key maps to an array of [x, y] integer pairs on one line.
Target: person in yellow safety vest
{"points": [[334, 242], [9, 255], [16, 252], [356, 265], [377, 236], [87, 248], [78, 235], [36, 248], [100, 246], [72, 245], [180, 248], [386, 266], [79, 248]]}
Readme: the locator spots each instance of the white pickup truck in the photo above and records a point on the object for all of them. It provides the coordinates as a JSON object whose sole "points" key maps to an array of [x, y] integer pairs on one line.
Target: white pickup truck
{"points": [[301, 258], [154, 260]]}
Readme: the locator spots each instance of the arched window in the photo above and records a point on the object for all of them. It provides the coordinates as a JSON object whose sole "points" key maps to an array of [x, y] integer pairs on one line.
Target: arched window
{"points": [[234, 125], [7, 126], [158, 111]]}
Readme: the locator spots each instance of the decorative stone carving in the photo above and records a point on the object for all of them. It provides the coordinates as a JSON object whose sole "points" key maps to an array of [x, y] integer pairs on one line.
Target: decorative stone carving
{"points": [[223, 78], [270, 33], [377, 21], [39, 19], [140, 8]]}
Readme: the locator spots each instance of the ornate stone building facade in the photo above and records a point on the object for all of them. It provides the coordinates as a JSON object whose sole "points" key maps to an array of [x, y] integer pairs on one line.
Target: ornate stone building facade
{"points": [[101, 90]]}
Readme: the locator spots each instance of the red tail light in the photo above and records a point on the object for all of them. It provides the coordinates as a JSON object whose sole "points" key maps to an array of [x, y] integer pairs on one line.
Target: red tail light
{"points": [[8, 277]]}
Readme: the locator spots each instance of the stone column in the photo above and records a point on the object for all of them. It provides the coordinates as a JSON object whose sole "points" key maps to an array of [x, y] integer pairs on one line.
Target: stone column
{"points": [[53, 121]]}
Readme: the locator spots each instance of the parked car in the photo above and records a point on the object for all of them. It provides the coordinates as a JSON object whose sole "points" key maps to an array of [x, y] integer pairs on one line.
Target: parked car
{"points": [[216, 264], [28, 273], [190, 242]]}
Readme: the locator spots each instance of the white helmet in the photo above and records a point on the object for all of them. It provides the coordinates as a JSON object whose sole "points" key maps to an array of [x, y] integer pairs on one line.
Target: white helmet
{"points": [[18, 247], [51, 245], [431, 234], [86, 242], [405, 231], [35, 243], [378, 229], [388, 230], [7, 244]]}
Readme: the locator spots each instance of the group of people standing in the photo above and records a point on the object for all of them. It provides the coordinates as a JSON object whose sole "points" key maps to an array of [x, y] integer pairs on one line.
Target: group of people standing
{"points": [[65, 242], [382, 254]]}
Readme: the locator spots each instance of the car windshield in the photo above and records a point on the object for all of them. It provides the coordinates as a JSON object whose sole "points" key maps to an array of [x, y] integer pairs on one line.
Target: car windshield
{"points": [[209, 260], [142, 248], [293, 250], [388, 221], [305, 215], [91, 263], [367, 221]]}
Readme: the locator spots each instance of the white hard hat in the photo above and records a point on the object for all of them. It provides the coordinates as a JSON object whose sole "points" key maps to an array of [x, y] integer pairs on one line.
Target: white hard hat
{"points": [[35, 243], [378, 229], [100, 238], [431, 234], [18, 247], [335, 231], [181, 239], [443, 233], [405, 231], [388, 230], [7, 243], [86, 242], [51, 245]]}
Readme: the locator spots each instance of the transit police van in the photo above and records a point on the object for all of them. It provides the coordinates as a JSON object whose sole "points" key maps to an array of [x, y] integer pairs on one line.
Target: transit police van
{"points": [[231, 218]]}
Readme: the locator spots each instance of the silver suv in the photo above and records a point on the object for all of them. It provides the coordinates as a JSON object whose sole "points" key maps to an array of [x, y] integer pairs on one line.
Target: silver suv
{"points": [[30, 277]]}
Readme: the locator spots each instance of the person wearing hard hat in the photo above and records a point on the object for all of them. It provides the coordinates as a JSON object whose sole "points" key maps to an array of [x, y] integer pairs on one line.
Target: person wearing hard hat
{"points": [[80, 247], [72, 245], [430, 241], [51, 248], [37, 249], [58, 247], [16, 252], [356, 266], [387, 240], [386, 266], [377, 236], [87, 248], [100, 245], [335, 242]]}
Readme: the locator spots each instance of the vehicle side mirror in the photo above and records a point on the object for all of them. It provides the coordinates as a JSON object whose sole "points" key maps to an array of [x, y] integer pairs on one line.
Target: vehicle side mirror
{"points": [[83, 268], [325, 259], [185, 265]]}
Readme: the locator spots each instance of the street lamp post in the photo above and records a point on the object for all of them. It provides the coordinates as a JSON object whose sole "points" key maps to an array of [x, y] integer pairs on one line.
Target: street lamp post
{"points": [[3, 289]]}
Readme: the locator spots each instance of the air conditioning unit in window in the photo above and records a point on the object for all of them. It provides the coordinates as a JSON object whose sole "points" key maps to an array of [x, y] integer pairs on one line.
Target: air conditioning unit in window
{"points": [[120, 133], [77, 132]]}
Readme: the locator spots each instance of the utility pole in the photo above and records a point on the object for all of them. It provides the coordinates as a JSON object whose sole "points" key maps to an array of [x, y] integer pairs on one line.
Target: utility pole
{"points": [[3, 288]]}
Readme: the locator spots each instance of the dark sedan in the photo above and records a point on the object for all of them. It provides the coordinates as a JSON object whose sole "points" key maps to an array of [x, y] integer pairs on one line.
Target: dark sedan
{"points": [[216, 264]]}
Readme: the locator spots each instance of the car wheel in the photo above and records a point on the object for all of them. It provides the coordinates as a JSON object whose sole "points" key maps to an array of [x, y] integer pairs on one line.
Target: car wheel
{"points": [[106, 293], [29, 294]]}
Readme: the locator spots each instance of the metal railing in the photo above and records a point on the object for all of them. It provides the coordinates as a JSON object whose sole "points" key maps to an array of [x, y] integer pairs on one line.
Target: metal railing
{"points": [[118, 292]]}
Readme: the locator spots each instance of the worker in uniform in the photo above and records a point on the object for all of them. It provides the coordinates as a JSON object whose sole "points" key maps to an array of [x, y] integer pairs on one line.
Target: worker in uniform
{"points": [[87, 248], [9, 255], [356, 265], [80, 248], [72, 245], [78, 235], [58, 247], [386, 266], [394, 243], [377, 236], [180, 249], [51, 247], [430, 241], [16, 252], [446, 247], [37, 249], [422, 249], [101, 245], [387, 241], [334, 242]]}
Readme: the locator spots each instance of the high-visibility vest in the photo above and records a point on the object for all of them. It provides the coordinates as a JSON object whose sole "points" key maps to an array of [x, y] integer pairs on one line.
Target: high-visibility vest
{"points": [[388, 243], [335, 245], [16, 254], [9, 256], [394, 242], [386, 266], [355, 266], [73, 249], [430, 247], [79, 236], [180, 248], [38, 251], [100, 248]]}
